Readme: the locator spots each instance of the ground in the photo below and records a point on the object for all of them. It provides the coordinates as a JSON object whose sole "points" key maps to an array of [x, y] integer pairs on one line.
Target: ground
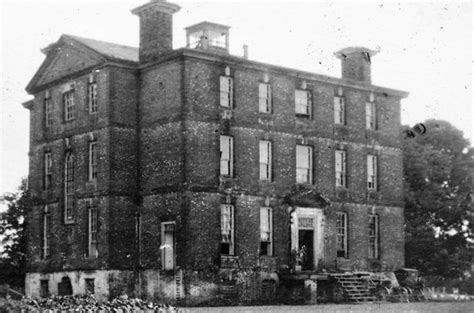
{"points": [[425, 307]]}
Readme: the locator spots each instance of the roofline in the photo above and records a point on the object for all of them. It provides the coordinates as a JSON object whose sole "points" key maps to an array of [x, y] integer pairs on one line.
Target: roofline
{"points": [[261, 66], [197, 25]]}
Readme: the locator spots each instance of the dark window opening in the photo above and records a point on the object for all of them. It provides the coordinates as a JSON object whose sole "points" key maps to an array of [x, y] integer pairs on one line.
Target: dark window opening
{"points": [[90, 286], [44, 288]]}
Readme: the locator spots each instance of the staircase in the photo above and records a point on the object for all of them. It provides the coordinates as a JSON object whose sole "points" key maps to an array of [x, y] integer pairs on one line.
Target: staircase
{"points": [[356, 286]]}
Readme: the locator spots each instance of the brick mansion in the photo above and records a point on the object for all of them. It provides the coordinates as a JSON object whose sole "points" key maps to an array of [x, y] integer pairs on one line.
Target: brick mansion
{"points": [[191, 174]]}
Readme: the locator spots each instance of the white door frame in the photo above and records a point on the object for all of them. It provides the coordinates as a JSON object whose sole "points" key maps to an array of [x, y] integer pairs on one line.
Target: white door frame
{"points": [[318, 229]]}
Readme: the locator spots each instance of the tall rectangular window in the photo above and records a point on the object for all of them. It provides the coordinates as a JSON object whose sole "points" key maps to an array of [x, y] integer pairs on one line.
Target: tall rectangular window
{"points": [[227, 156], [227, 229], [264, 98], [370, 116], [48, 174], [68, 103], [92, 233], [266, 231], [92, 95], [168, 245], [372, 172], [373, 236], [68, 187], [265, 155], [92, 160], [227, 91], [46, 234], [341, 233], [339, 110], [304, 164], [48, 111], [340, 166], [303, 102]]}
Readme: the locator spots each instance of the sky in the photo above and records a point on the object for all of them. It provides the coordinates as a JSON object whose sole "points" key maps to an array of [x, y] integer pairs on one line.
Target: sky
{"points": [[425, 49]]}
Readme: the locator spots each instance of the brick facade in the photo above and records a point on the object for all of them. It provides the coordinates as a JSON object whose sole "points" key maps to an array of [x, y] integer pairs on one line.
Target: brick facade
{"points": [[157, 130]]}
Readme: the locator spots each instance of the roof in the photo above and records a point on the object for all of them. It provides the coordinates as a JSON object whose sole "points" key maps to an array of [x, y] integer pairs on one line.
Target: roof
{"points": [[207, 25], [107, 49]]}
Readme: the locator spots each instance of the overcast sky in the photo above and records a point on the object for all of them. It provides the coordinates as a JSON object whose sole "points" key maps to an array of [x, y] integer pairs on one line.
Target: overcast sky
{"points": [[425, 49]]}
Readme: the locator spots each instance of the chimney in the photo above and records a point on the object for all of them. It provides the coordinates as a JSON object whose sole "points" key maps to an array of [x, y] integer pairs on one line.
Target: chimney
{"points": [[156, 28], [246, 51], [355, 63]]}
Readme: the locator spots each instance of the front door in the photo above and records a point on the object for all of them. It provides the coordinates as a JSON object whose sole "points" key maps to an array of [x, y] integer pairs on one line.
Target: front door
{"points": [[307, 231]]}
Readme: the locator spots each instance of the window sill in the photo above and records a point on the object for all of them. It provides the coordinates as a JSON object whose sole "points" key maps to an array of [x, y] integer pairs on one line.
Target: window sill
{"points": [[301, 115], [229, 261], [69, 222]]}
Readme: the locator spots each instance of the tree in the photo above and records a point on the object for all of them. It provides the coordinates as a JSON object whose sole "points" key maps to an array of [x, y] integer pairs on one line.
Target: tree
{"points": [[438, 170], [12, 233]]}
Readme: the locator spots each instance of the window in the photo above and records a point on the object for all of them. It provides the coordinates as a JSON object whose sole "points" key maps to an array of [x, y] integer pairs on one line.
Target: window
{"points": [[373, 236], [370, 116], [48, 164], [48, 111], [46, 240], [167, 245], [44, 288], [303, 102], [92, 160], [227, 91], [92, 95], [68, 186], [92, 233], [68, 101], [90, 286], [304, 164], [227, 229], [227, 156], [266, 231], [265, 149], [372, 172], [341, 233], [340, 166], [339, 110], [264, 98]]}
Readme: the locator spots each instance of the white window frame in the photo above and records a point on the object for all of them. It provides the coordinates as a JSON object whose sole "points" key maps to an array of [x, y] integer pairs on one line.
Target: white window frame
{"points": [[341, 234], [372, 167], [226, 87], [68, 187], [92, 96], [228, 227], [46, 234], [226, 156], [264, 98], [370, 116], [339, 110], [48, 165], [266, 230], [68, 103], [340, 165], [265, 158], [93, 233], [373, 236], [304, 172], [92, 160], [303, 102], [166, 249]]}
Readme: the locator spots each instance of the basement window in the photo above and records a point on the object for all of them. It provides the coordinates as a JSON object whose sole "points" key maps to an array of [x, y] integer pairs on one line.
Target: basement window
{"points": [[90, 286]]}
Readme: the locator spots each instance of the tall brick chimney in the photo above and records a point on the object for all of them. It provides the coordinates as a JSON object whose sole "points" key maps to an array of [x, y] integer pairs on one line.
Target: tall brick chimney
{"points": [[355, 63], [156, 28]]}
